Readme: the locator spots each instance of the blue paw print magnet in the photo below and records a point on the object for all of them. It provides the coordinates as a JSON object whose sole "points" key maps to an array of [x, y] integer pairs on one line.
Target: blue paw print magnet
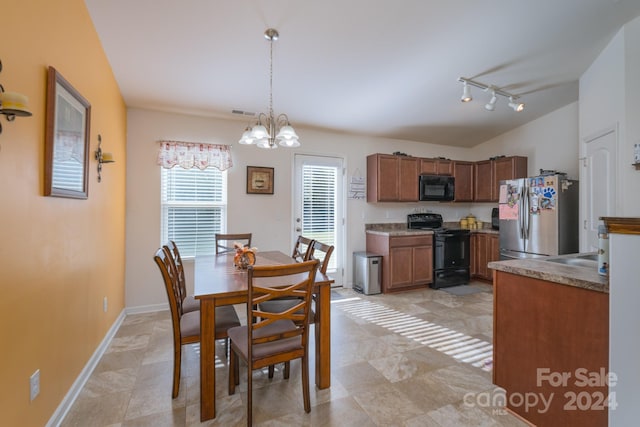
{"points": [[549, 192]]}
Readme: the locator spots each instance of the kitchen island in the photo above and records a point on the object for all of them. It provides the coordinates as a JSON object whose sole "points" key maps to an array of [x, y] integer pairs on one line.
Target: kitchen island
{"points": [[551, 339]]}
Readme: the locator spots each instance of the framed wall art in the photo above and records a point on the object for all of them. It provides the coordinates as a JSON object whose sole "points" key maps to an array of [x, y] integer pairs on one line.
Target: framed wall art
{"points": [[259, 180], [66, 139]]}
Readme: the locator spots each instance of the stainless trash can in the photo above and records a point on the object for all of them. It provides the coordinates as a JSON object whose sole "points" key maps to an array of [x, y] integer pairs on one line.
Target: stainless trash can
{"points": [[367, 272]]}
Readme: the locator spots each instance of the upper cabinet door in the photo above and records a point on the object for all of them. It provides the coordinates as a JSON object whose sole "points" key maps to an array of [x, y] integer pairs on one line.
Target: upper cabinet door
{"points": [[463, 174], [408, 179]]}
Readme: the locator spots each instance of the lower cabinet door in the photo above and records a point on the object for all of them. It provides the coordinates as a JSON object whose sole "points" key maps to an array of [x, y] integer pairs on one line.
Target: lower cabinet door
{"points": [[422, 265], [401, 266]]}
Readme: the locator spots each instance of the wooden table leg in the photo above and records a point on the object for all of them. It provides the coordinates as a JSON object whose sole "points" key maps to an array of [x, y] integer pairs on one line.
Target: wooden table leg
{"points": [[323, 338], [207, 359]]}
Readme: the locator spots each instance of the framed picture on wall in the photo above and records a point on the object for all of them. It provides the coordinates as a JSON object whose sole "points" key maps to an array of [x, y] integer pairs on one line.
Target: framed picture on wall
{"points": [[66, 139], [259, 180]]}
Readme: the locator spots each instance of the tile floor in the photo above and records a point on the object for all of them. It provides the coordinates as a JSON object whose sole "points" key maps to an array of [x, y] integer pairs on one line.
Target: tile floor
{"points": [[418, 358]]}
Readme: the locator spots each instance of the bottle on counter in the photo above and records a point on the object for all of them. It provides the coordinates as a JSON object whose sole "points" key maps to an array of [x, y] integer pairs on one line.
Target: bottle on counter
{"points": [[603, 250]]}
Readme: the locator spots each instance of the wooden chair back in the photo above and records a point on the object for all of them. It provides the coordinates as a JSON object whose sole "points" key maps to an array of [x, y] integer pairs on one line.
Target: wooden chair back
{"points": [[224, 242], [293, 281], [322, 253], [302, 249], [172, 248], [275, 337], [170, 276]]}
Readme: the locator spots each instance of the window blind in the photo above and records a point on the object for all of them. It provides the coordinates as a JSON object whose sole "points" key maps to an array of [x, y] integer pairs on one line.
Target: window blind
{"points": [[194, 205], [319, 204]]}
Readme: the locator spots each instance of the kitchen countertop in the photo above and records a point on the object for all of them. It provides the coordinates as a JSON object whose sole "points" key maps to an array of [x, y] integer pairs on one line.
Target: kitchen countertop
{"points": [[400, 229], [543, 269]]}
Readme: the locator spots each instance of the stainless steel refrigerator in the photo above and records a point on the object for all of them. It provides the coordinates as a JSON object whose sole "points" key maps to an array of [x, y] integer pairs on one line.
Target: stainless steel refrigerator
{"points": [[538, 217]]}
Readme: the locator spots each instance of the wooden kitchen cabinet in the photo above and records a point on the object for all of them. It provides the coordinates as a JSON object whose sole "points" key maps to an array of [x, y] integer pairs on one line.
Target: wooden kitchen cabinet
{"points": [[485, 248], [407, 261], [463, 174], [392, 178], [436, 167], [561, 329], [489, 173], [507, 168], [482, 181]]}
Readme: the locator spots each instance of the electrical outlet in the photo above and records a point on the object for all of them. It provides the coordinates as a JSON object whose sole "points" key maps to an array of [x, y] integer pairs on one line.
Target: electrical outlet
{"points": [[105, 304], [34, 384]]}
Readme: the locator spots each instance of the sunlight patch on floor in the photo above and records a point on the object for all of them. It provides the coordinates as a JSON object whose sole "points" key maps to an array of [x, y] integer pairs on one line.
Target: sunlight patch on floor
{"points": [[462, 347]]}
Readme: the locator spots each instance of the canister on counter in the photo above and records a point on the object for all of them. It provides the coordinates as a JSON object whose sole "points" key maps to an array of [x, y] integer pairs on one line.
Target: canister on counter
{"points": [[603, 250]]}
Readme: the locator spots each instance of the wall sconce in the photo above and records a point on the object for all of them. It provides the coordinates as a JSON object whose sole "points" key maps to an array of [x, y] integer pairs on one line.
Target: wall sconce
{"points": [[12, 104], [102, 157]]}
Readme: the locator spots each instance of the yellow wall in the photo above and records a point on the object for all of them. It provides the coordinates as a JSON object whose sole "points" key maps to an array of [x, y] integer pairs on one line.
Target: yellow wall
{"points": [[58, 257]]}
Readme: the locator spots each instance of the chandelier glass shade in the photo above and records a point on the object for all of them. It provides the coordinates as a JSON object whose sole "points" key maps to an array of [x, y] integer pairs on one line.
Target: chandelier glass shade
{"points": [[269, 130]]}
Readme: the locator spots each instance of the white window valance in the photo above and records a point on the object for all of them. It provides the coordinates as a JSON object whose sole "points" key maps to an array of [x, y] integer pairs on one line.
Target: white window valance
{"points": [[194, 155]]}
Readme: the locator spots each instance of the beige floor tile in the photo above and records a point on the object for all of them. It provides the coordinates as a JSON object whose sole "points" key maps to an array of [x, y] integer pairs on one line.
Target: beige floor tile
{"points": [[388, 369]]}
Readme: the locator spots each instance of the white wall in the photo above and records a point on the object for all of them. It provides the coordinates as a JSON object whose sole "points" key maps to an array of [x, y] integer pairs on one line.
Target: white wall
{"points": [[602, 95], [629, 176], [549, 142], [624, 342], [609, 96], [268, 217]]}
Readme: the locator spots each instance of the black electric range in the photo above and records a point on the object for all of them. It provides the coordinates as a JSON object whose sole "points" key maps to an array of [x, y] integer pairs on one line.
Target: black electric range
{"points": [[451, 253]]}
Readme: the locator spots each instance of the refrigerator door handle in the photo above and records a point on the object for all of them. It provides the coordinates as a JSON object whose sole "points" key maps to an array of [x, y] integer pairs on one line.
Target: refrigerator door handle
{"points": [[520, 211], [526, 213]]}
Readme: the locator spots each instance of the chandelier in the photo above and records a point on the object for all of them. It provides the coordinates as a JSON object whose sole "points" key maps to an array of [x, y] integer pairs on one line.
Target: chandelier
{"points": [[269, 129]]}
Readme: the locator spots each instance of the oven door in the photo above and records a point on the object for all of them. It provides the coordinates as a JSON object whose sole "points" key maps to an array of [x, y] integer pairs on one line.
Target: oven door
{"points": [[452, 250]]}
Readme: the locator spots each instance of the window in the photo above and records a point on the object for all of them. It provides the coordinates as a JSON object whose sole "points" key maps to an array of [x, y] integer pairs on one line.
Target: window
{"points": [[194, 208], [319, 201]]}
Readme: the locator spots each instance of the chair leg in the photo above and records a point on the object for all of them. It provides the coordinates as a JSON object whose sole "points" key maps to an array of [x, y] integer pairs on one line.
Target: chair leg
{"points": [[233, 361], [177, 360], [287, 370], [271, 370], [305, 383], [249, 394]]}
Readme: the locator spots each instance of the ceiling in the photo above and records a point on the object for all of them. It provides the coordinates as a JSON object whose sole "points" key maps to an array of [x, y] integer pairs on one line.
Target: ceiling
{"points": [[380, 68]]}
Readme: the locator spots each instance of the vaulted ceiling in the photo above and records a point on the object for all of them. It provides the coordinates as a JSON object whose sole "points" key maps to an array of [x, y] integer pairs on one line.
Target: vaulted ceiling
{"points": [[382, 68]]}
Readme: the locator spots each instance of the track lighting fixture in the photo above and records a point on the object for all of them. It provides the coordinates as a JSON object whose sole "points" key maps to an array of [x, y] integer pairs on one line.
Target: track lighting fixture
{"points": [[466, 93], [491, 105], [517, 106]]}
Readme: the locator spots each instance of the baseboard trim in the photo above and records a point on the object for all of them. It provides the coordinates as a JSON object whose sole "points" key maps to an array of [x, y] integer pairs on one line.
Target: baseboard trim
{"points": [[147, 308], [71, 396]]}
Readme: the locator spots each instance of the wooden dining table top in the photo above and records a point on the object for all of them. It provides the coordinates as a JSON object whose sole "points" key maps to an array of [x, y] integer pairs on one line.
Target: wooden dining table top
{"points": [[218, 276]]}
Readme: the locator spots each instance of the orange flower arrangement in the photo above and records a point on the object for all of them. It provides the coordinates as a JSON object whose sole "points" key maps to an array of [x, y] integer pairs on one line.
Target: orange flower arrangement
{"points": [[245, 256]]}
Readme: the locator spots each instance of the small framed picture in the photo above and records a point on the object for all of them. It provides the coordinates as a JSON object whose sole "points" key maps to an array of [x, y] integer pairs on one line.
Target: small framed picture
{"points": [[259, 180], [66, 139]]}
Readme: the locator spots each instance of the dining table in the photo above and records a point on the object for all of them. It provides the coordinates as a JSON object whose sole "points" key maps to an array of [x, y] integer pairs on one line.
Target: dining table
{"points": [[218, 282]]}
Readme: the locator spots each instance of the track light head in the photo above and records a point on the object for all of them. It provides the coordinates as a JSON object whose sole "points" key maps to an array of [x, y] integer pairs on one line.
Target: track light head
{"points": [[466, 93], [517, 106], [491, 105]]}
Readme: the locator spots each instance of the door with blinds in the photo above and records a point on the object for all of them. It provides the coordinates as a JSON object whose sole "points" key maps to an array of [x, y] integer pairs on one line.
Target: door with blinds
{"points": [[318, 206]]}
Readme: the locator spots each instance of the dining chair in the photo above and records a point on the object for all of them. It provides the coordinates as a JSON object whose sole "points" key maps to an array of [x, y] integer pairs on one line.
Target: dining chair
{"points": [[302, 248], [224, 242], [317, 251], [270, 338], [188, 302], [325, 250], [186, 326]]}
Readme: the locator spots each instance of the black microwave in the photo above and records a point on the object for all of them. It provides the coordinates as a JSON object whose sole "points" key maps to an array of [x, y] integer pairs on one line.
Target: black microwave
{"points": [[436, 188]]}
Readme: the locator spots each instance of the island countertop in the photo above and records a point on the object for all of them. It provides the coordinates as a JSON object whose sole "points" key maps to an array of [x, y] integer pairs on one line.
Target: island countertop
{"points": [[542, 268]]}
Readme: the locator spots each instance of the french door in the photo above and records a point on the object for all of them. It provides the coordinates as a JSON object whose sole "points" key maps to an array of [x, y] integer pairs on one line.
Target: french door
{"points": [[318, 206]]}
